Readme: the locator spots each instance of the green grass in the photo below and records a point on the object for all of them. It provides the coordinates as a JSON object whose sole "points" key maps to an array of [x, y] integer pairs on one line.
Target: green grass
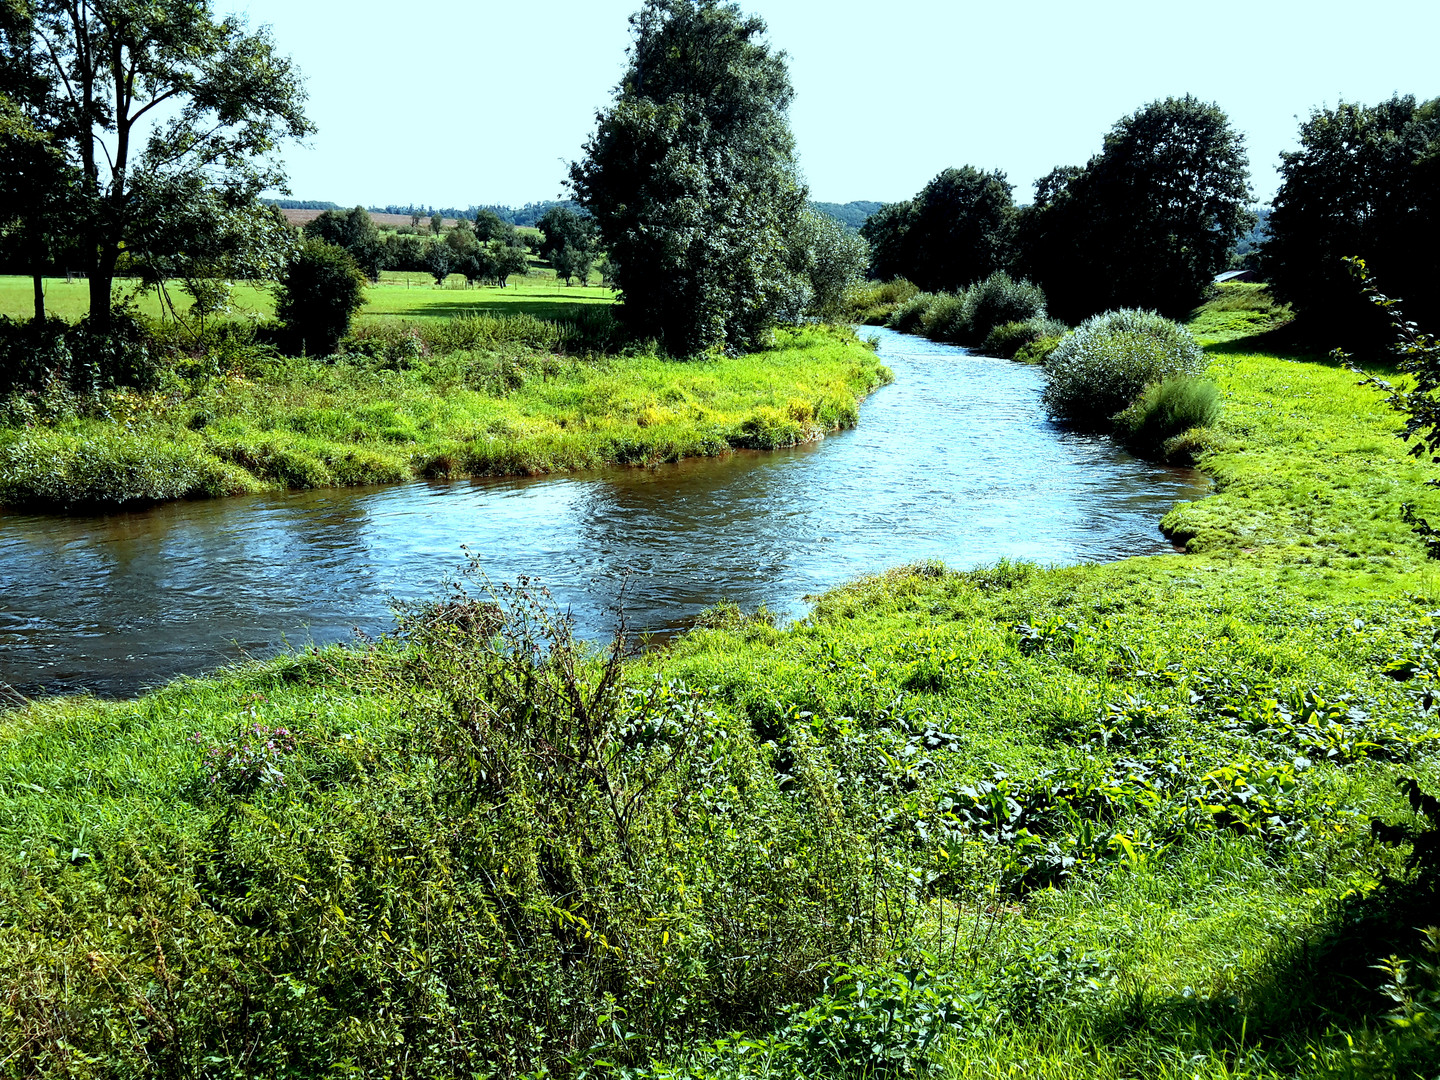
{"points": [[500, 411], [471, 866], [396, 295]]}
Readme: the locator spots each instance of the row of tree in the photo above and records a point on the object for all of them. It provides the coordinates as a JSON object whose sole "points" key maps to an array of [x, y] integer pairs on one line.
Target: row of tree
{"points": [[1157, 213]]}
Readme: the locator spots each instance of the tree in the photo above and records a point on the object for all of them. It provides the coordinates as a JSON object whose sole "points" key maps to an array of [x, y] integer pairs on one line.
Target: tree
{"points": [[1365, 183], [506, 259], [36, 181], [318, 296], [887, 231], [1149, 221], [569, 244], [692, 181], [437, 224], [354, 231], [961, 229], [830, 259], [153, 90]]}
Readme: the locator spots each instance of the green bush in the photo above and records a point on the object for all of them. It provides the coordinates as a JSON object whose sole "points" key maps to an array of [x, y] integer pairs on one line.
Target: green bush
{"points": [[947, 318], [1166, 409], [1009, 338], [1000, 299], [874, 302], [320, 293], [1038, 351], [1101, 368], [909, 313]]}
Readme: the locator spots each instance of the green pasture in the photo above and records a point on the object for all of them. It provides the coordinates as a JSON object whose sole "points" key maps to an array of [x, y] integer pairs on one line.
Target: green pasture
{"points": [[397, 295]]}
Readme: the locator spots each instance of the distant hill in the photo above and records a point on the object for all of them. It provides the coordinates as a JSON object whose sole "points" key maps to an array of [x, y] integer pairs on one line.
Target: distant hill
{"points": [[851, 214], [524, 215]]}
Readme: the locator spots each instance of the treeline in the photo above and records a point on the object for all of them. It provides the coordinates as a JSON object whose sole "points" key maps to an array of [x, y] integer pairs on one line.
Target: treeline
{"points": [[1165, 204], [525, 216]]}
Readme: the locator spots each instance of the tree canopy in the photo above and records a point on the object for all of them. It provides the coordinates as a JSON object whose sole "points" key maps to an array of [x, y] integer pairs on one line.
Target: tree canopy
{"points": [[692, 180], [1365, 183], [1149, 221], [354, 231], [151, 96]]}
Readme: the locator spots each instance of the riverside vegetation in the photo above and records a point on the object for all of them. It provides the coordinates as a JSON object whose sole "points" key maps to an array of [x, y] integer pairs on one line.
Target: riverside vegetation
{"points": [[1111, 821], [476, 394]]}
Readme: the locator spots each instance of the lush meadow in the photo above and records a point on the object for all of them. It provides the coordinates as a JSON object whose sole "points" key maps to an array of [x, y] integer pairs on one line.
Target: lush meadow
{"points": [[1107, 821]]}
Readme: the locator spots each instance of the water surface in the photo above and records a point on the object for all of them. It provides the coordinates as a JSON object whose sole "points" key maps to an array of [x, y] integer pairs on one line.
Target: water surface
{"points": [[955, 461]]}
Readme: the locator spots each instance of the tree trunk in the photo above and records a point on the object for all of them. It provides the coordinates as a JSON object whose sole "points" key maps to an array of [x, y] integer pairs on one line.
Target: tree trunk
{"points": [[102, 278], [39, 296]]}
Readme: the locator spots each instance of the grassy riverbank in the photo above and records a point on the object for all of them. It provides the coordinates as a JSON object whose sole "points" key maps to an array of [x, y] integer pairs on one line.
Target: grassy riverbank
{"points": [[1104, 821], [499, 410]]}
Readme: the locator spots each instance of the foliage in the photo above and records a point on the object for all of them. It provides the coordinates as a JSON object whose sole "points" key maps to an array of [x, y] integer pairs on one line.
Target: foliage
{"points": [[1236, 310], [909, 312], [829, 260], [691, 178], [1166, 409], [999, 299], [1008, 338], [188, 102], [1038, 351], [957, 230], [318, 297], [1107, 362], [570, 243], [875, 302], [356, 233], [1363, 184], [1148, 222]]}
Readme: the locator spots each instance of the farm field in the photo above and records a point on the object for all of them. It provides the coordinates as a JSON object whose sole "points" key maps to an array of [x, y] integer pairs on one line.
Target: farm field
{"points": [[396, 295]]}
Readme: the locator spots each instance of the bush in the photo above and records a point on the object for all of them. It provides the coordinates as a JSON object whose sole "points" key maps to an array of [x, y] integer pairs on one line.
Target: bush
{"points": [[874, 302], [1110, 359], [947, 318], [1039, 350], [908, 314], [1166, 409], [320, 293], [1001, 299], [1008, 338]]}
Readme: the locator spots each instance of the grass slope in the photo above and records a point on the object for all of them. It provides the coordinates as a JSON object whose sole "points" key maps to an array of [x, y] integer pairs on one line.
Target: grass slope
{"points": [[1103, 821], [500, 411]]}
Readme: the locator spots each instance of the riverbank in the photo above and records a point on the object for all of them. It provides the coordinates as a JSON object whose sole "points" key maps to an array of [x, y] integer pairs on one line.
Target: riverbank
{"points": [[507, 410], [1104, 821]]}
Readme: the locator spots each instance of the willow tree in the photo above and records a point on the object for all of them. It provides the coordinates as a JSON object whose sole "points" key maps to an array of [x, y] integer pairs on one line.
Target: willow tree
{"points": [[692, 180], [153, 96]]}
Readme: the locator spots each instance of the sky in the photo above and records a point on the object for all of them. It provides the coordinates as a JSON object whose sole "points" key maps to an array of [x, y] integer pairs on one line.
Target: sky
{"points": [[456, 103]]}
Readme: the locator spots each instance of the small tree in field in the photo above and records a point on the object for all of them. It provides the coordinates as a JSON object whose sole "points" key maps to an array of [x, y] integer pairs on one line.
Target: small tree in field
{"points": [[318, 297]]}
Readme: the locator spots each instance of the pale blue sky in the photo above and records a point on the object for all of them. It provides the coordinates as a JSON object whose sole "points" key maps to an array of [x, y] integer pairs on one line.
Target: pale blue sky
{"points": [[449, 102]]}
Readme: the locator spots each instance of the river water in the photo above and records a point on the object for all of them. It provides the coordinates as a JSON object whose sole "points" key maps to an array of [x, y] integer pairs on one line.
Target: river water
{"points": [[954, 461]]}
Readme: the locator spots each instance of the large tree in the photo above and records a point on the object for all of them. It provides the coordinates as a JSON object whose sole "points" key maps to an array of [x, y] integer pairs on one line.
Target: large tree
{"points": [[1364, 183], [1149, 221], [152, 92], [355, 231], [692, 180]]}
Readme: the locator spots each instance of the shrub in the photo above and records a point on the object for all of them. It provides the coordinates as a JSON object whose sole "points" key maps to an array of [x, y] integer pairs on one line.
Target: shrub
{"points": [[1007, 339], [1001, 299], [947, 318], [1103, 366], [1038, 351], [318, 297], [874, 302], [908, 314], [1166, 409]]}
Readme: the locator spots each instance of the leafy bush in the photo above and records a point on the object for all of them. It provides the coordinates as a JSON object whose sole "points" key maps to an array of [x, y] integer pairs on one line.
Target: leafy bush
{"points": [[908, 314], [947, 318], [1009, 338], [874, 302], [1039, 350], [1001, 299], [1166, 409], [320, 293], [1110, 359]]}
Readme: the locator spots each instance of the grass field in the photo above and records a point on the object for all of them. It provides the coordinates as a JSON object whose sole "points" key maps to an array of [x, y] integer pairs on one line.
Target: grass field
{"points": [[1106, 821], [396, 295]]}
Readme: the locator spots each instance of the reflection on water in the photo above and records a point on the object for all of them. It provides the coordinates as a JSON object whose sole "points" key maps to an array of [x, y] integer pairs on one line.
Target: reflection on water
{"points": [[955, 461]]}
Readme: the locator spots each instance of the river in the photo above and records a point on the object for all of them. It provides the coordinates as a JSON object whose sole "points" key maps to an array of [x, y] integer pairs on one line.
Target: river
{"points": [[954, 461]]}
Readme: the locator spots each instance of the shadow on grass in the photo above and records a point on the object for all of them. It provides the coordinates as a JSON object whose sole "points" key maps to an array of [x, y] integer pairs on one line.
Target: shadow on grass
{"points": [[549, 308]]}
